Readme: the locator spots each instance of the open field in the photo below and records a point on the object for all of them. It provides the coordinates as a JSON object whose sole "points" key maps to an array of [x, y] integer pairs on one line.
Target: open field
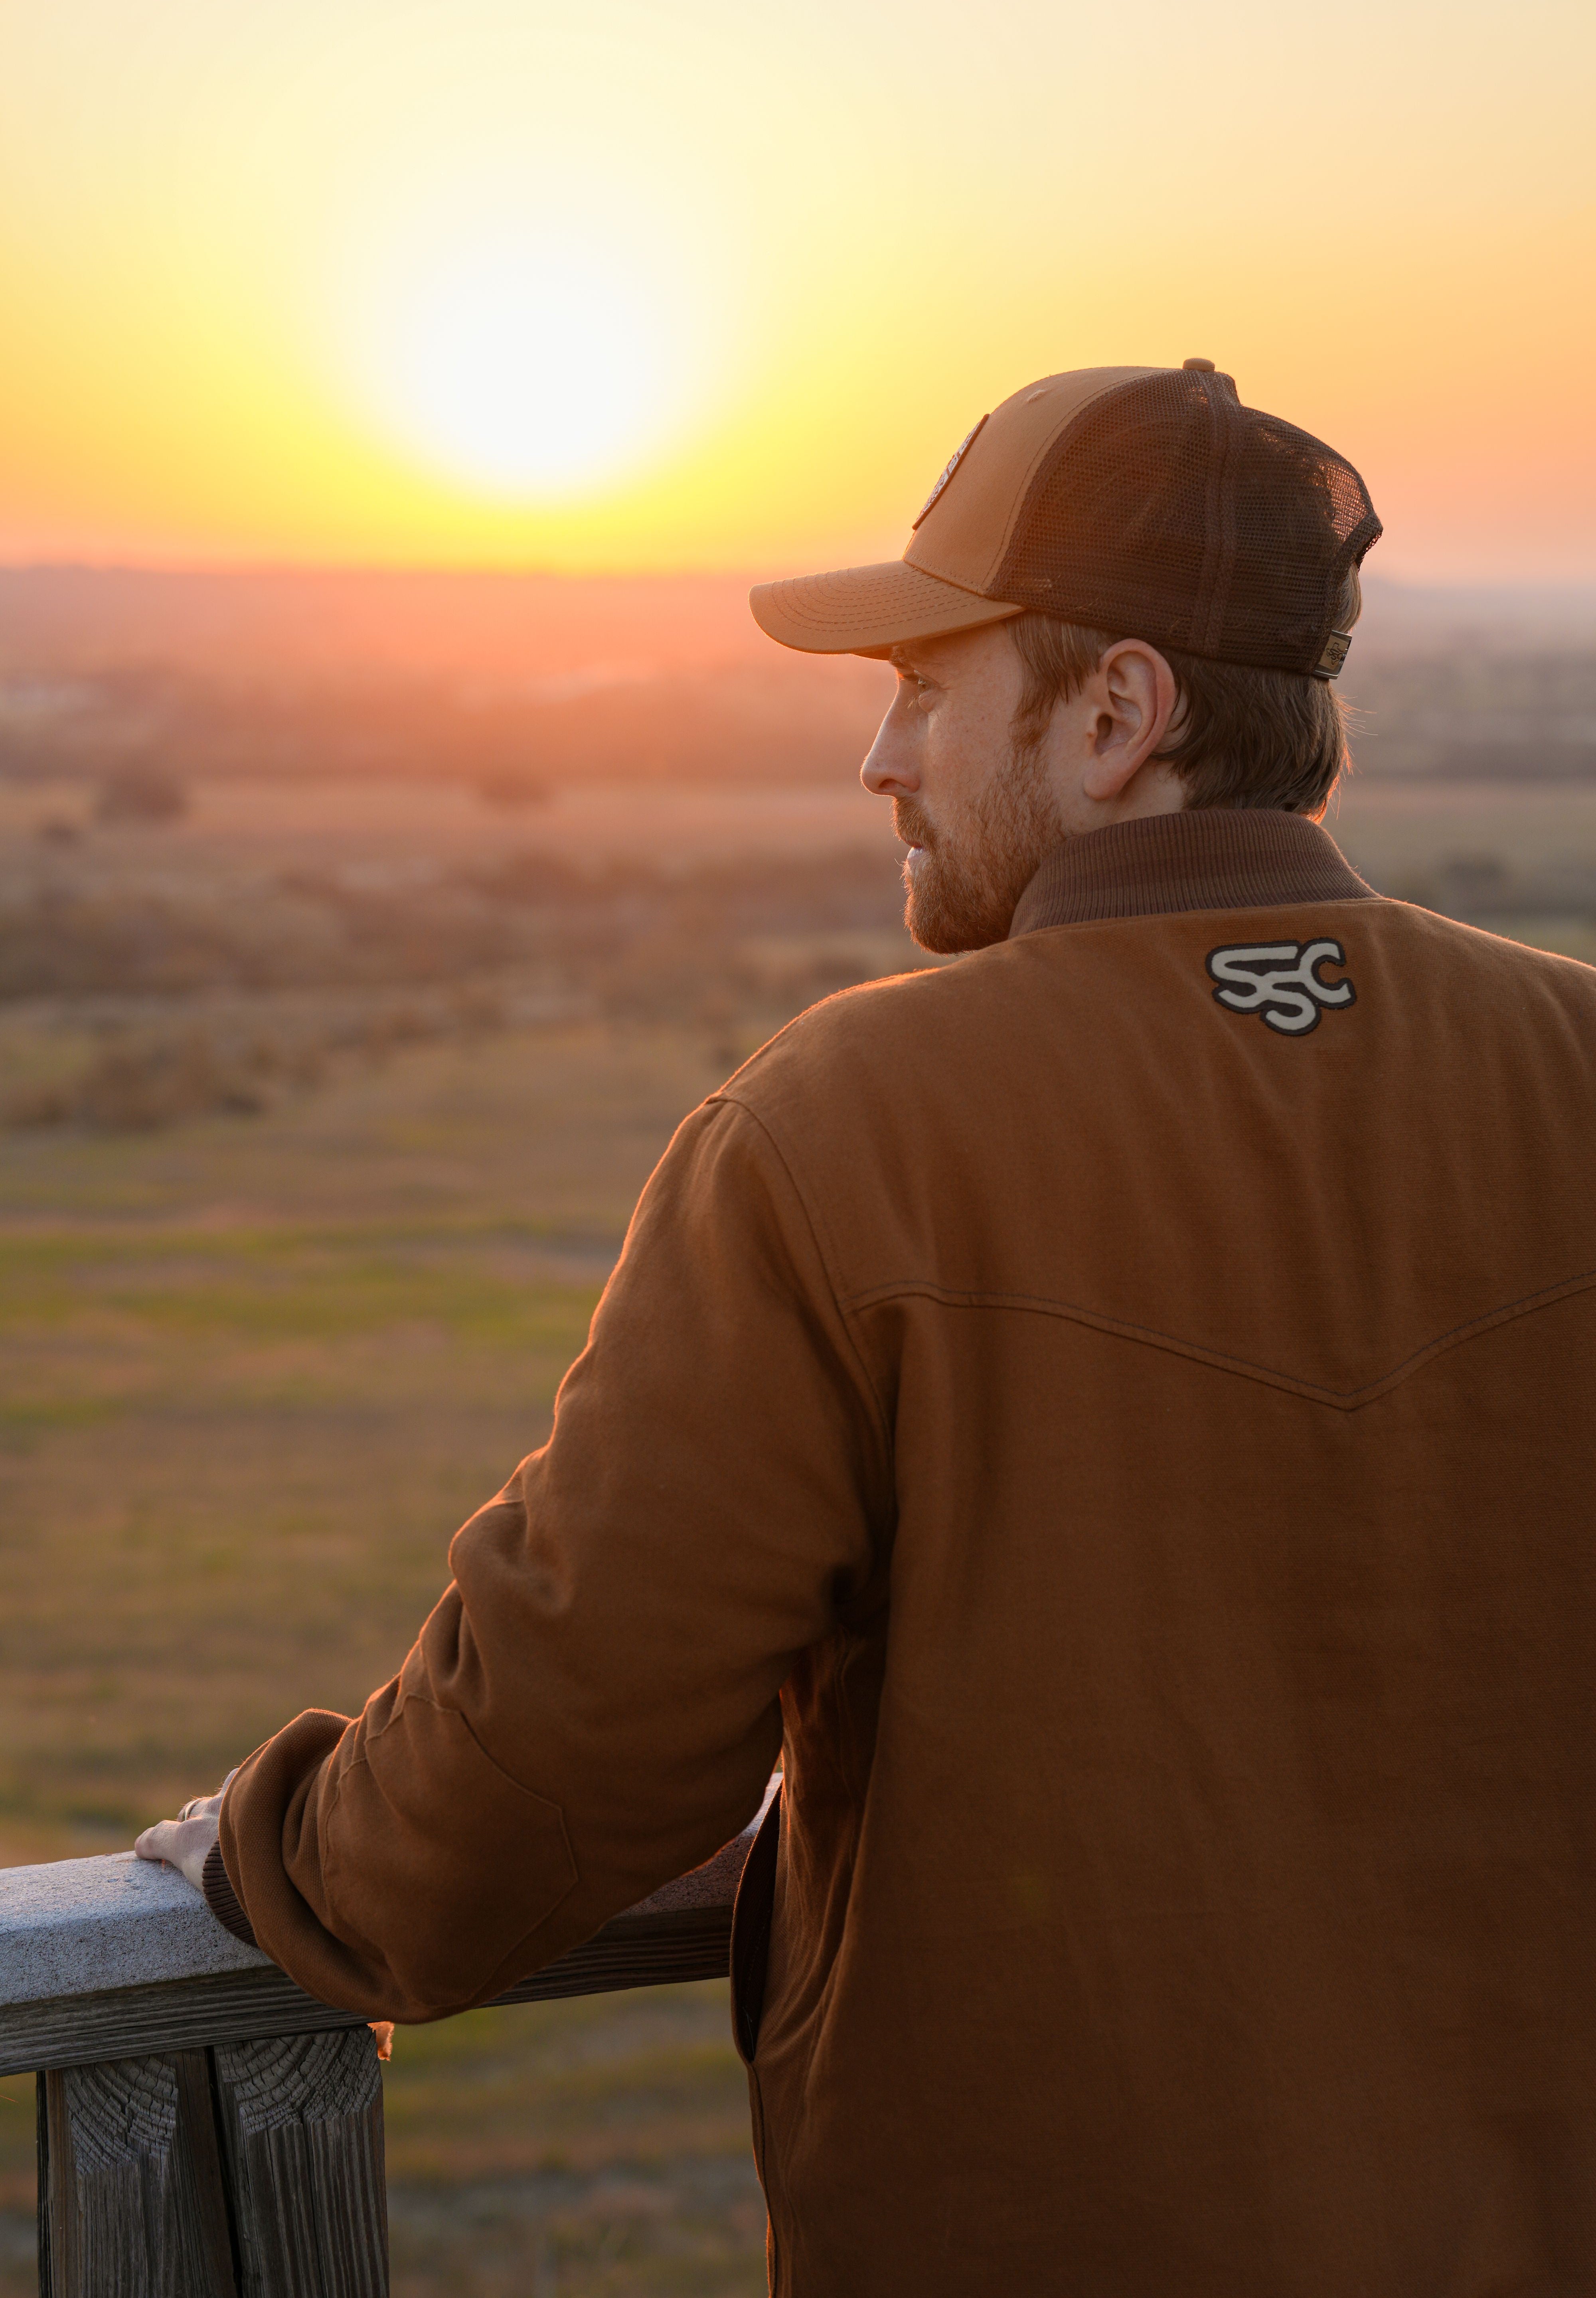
{"points": [[323, 1135], [254, 1373], [320, 1139]]}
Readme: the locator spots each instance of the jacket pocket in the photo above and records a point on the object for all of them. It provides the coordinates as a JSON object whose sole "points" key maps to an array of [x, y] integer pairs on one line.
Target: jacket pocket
{"points": [[750, 1930], [440, 1859]]}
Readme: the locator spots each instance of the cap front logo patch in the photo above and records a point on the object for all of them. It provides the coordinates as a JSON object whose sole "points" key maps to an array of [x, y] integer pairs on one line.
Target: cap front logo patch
{"points": [[954, 460], [1281, 981]]}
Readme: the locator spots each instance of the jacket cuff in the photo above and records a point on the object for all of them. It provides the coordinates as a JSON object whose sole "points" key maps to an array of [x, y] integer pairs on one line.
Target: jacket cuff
{"points": [[223, 1900]]}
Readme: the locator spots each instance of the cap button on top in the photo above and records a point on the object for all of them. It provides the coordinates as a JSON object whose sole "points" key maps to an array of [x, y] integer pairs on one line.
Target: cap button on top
{"points": [[1198, 366]]}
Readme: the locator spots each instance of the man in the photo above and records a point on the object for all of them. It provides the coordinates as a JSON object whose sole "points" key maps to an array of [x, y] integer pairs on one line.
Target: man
{"points": [[1114, 1415]]}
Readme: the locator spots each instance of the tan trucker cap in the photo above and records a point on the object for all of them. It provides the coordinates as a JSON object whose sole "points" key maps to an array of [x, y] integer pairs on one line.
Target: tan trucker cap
{"points": [[1145, 501]]}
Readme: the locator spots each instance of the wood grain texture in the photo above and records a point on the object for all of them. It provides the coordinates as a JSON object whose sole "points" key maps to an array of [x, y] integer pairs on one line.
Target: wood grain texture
{"points": [[302, 2122], [134, 2204]]}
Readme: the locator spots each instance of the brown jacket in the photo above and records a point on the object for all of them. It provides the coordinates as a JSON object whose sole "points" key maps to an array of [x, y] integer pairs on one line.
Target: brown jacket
{"points": [[1118, 1415]]}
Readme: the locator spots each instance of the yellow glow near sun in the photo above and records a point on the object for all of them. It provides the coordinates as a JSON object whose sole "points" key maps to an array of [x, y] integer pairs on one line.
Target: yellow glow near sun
{"points": [[524, 358], [624, 284]]}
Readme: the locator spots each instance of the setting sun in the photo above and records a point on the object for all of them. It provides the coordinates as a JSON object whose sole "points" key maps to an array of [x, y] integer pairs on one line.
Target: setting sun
{"points": [[525, 369]]}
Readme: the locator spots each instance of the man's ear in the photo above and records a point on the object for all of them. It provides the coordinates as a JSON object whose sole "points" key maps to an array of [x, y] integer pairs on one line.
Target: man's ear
{"points": [[1133, 688]]}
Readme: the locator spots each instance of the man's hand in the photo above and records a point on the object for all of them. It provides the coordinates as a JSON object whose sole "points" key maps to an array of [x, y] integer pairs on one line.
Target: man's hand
{"points": [[185, 1842]]}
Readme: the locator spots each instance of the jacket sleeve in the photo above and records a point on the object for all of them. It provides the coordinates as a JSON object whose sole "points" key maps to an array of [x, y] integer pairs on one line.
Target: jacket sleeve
{"points": [[593, 1707]]}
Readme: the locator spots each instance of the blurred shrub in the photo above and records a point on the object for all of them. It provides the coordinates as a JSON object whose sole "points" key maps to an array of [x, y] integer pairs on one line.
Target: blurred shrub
{"points": [[513, 788], [141, 795], [137, 1087]]}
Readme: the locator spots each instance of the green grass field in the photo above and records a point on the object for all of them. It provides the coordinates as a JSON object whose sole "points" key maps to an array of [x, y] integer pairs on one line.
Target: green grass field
{"points": [[255, 1371]]}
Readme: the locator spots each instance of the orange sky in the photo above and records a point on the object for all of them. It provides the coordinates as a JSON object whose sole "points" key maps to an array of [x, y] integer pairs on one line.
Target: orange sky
{"points": [[648, 285]]}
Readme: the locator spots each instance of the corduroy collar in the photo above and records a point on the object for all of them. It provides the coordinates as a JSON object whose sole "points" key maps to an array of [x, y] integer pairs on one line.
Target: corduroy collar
{"points": [[1252, 860]]}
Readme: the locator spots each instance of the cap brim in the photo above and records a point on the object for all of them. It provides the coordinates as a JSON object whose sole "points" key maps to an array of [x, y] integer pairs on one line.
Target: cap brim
{"points": [[869, 609]]}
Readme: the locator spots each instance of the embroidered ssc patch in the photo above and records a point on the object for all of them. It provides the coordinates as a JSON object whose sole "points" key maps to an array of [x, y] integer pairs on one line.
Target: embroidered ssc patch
{"points": [[1280, 981]]}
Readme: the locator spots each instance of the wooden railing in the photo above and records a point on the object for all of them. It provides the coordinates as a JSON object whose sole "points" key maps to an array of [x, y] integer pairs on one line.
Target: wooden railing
{"points": [[207, 2130]]}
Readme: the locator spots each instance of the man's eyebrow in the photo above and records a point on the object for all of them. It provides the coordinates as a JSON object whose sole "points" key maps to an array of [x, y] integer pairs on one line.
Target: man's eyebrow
{"points": [[903, 658]]}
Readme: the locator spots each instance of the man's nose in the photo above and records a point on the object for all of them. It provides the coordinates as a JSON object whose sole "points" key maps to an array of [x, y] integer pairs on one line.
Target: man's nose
{"points": [[889, 771]]}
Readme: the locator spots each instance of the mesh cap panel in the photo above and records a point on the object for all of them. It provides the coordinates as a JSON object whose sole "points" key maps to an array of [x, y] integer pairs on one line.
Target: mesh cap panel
{"points": [[1167, 511]]}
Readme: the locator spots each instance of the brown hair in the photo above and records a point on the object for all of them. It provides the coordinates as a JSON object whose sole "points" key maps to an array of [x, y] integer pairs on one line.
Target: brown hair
{"points": [[1241, 737]]}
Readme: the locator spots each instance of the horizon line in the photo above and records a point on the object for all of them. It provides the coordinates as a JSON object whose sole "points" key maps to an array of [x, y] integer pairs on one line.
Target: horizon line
{"points": [[408, 571]]}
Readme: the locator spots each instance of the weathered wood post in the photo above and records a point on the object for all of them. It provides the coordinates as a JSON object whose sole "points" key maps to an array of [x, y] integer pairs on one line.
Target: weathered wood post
{"points": [[131, 2196], [251, 2171], [182, 2154], [207, 2130], [302, 2122]]}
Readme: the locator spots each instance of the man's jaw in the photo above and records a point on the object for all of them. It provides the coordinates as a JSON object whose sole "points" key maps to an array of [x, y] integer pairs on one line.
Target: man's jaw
{"points": [[961, 890], [927, 913]]}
